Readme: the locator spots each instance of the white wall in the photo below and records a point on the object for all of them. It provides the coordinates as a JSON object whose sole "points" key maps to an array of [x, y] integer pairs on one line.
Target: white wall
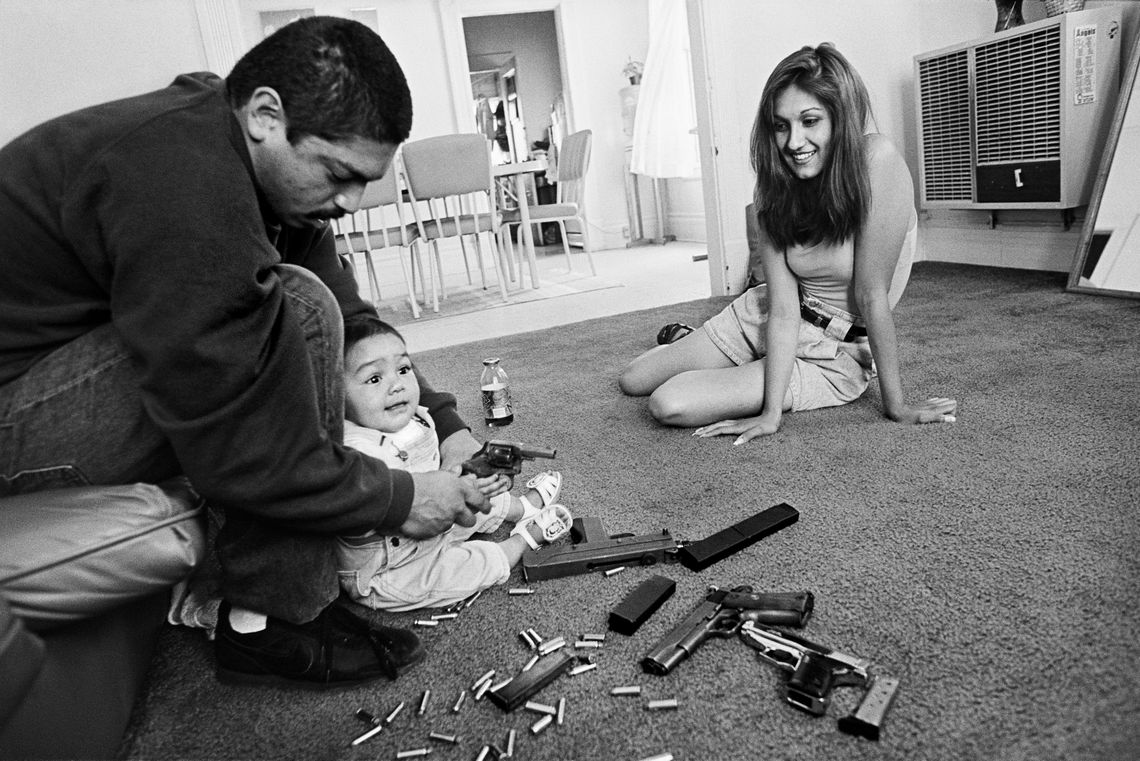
{"points": [[745, 41], [65, 54], [62, 55], [746, 38]]}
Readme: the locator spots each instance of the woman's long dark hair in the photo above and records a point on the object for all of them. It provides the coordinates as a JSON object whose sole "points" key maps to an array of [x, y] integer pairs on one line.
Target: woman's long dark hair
{"points": [[832, 206]]}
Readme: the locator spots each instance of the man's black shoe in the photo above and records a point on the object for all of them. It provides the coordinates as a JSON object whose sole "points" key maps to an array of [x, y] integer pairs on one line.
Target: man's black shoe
{"points": [[336, 649]]}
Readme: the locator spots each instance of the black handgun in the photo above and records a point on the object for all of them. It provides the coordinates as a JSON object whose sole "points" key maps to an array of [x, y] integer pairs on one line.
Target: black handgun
{"points": [[721, 614], [504, 457]]}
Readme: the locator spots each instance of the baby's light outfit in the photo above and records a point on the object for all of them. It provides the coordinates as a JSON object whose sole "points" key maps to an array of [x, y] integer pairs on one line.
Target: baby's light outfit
{"points": [[398, 573]]}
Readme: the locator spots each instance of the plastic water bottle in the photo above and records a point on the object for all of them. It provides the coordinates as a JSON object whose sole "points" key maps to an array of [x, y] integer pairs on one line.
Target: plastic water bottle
{"points": [[497, 409]]}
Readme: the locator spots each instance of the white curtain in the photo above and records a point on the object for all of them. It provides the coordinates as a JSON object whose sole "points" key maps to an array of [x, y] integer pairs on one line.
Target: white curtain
{"points": [[665, 125]]}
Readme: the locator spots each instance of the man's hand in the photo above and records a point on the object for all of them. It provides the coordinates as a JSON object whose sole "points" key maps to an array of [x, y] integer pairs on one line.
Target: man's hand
{"points": [[442, 498], [937, 409], [457, 449]]}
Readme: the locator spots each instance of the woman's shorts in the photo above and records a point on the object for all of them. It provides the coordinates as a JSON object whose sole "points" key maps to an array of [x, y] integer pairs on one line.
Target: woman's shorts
{"points": [[827, 371]]}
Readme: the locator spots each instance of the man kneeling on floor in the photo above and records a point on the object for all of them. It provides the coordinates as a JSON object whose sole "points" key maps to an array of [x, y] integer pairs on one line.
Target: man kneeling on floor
{"points": [[173, 304]]}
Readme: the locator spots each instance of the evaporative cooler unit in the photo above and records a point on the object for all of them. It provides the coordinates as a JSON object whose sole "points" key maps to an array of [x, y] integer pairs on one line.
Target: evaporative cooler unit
{"points": [[1017, 120]]}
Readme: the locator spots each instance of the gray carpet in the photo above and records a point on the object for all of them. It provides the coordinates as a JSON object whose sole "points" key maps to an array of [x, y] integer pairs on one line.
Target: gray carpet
{"points": [[991, 565]]}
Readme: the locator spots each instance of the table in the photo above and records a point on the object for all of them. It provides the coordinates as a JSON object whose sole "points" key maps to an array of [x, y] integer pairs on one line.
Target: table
{"points": [[519, 170]]}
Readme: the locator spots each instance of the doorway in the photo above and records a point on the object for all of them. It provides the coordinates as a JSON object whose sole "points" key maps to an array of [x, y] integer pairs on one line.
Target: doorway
{"points": [[516, 81]]}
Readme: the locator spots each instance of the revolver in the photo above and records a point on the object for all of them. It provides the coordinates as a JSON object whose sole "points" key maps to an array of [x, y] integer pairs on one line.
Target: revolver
{"points": [[721, 614], [815, 669], [504, 457]]}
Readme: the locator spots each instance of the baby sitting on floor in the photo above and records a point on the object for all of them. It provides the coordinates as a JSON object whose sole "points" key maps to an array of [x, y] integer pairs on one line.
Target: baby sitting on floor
{"points": [[384, 420]]}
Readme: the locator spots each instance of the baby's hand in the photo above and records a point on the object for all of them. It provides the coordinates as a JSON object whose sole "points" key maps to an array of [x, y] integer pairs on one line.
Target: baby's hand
{"points": [[492, 485]]}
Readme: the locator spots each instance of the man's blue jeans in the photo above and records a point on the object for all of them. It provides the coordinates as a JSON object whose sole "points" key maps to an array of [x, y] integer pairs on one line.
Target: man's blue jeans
{"points": [[77, 418]]}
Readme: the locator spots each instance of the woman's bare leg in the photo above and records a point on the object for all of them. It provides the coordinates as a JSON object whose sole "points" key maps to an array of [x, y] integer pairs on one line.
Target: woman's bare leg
{"points": [[695, 351], [700, 397]]}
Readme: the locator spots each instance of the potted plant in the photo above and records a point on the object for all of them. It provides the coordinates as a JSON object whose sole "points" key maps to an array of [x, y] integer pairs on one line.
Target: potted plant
{"points": [[633, 71]]}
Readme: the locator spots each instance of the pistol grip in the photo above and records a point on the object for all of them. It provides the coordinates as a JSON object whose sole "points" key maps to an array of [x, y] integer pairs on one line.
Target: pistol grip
{"points": [[810, 685]]}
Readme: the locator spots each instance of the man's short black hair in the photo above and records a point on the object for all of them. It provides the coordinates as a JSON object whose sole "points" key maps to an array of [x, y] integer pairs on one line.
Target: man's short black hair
{"points": [[336, 78]]}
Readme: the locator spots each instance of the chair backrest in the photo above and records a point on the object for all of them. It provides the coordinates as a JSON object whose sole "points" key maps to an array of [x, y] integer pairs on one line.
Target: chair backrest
{"points": [[380, 197], [573, 160], [383, 191], [447, 165], [449, 177]]}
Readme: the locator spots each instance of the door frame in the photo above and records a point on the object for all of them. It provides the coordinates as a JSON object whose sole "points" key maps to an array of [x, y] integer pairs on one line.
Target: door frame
{"points": [[452, 13]]}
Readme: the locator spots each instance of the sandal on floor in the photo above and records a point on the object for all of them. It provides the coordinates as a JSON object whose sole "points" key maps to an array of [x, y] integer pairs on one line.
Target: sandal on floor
{"points": [[673, 332], [548, 484], [554, 520]]}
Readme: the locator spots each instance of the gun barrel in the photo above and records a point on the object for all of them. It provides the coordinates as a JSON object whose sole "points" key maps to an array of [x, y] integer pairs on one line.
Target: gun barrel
{"points": [[530, 453], [684, 639]]}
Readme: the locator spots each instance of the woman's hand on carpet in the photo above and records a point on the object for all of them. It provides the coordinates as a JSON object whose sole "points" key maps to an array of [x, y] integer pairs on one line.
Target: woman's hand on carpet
{"points": [[937, 409], [745, 429]]}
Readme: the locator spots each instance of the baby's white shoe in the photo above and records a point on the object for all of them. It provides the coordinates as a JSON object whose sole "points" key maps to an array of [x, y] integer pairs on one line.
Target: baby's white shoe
{"points": [[548, 484], [554, 520]]}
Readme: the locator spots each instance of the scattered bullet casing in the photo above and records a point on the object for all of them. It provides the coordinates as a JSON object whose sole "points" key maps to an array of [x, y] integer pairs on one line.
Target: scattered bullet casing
{"points": [[658, 705], [583, 669], [587, 643], [548, 647], [629, 690], [660, 757], [617, 570], [459, 701], [532, 705], [424, 702], [534, 637], [510, 743], [369, 734], [594, 637], [520, 591], [395, 712], [413, 753], [366, 717], [561, 717], [471, 600], [530, 664], [425, 622], [453, 739], [444, 616], [483, 753], [501, 685], [486, 677], [524, 635], [484, 687], [541, 724]]}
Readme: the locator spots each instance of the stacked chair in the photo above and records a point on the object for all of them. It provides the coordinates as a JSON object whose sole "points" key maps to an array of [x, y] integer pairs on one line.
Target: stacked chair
{"points": [[450, 186], [369, 230], [569, 205]]}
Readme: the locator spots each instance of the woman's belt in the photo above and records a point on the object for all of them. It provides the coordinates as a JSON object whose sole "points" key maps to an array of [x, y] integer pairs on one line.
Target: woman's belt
{"points": [[822, 321]]}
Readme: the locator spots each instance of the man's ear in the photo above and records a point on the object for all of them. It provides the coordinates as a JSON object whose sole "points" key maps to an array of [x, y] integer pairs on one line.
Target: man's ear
{"points": [[264, 114]]}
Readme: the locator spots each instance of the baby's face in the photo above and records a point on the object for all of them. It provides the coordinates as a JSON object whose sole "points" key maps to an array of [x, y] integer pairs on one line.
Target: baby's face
{"points": [[381, 391]]}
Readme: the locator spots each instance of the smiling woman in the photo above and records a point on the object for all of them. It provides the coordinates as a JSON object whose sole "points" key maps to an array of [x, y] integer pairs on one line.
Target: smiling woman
{"points": [[835, 263]]}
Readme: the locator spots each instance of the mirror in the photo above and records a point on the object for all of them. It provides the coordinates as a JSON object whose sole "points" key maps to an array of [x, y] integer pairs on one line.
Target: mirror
{"points": [[1108, 255]]}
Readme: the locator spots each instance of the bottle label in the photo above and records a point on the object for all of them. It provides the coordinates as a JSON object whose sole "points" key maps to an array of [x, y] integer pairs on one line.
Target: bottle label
{"points": [[496, 401]]}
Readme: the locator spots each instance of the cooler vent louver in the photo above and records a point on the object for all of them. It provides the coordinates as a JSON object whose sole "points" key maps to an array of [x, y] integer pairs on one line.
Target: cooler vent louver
{"points": [[1018, 119]]}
